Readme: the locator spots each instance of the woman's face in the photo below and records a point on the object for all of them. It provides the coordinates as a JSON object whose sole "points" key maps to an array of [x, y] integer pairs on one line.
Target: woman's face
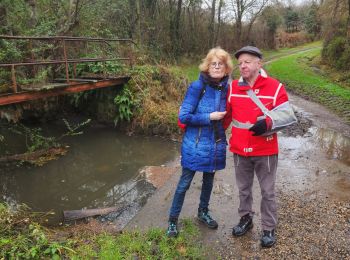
{"points": [[217, 68]]}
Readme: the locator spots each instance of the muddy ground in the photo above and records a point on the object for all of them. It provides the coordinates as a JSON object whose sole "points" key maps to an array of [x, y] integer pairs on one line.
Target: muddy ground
{"points": [[313, 190]]}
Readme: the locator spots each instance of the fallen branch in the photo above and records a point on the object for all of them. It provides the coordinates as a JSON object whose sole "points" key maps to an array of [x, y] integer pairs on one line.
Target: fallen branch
{"points": [[70, 215], [34, 157]]}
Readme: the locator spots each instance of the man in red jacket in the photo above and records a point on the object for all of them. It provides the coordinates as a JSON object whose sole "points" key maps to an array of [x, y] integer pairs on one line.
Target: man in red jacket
{"points": [[257, 107]]}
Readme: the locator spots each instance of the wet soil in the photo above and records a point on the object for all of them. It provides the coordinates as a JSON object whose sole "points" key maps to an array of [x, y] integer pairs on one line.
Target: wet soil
{"points": [[313, 191]]}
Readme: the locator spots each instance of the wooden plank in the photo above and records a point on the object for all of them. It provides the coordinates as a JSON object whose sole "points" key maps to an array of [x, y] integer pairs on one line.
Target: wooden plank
{"points": [[70, 215], [73, 88]]}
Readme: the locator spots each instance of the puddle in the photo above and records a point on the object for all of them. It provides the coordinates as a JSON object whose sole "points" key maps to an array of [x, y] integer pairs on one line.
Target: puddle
{"points": [[337, 146], [318, 161]]}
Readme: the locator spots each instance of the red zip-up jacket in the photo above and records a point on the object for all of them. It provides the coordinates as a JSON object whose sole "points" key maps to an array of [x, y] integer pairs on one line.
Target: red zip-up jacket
{"points": [[241, 108]]}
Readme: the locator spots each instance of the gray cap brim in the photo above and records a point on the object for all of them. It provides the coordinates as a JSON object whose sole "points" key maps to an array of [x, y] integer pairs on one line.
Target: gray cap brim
{"points": [[250, 50]]}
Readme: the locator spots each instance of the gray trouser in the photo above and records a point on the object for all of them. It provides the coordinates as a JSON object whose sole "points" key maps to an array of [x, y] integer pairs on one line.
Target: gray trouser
{"points": [[265, 169]]}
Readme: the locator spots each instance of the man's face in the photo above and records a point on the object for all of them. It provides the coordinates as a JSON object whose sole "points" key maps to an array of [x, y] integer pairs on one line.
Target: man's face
{"points": [[249, 66]]}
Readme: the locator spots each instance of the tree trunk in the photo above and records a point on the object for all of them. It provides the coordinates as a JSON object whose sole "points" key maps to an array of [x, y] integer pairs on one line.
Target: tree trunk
{"points": [[211, 28], [348, 23], [219, 23], [252, 21], [174, 32], [133, 18], [238, 26], [177, 20]]}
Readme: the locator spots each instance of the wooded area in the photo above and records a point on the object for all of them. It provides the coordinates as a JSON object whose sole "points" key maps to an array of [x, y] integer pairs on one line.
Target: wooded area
{"points": [[176, 28]]}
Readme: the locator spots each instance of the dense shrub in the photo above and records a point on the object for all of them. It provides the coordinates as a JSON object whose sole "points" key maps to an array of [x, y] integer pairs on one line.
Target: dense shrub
{"points": [[285, 39], [336, 53], [344, 61]]}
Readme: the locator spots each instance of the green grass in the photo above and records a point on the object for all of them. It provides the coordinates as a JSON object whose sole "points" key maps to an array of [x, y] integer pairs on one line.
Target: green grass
{"points": [[152, 244], [191, 72], [272, 54], [297, 73], [22, 237]]}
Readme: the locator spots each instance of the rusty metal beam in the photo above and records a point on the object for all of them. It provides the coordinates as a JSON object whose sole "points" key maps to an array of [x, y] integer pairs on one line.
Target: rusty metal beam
{"points": [[48, 62], [67, 38], [71, 88]]}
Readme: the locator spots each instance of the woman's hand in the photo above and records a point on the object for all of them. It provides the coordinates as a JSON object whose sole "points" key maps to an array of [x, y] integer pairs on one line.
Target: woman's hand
{"points": [[217, 115]]}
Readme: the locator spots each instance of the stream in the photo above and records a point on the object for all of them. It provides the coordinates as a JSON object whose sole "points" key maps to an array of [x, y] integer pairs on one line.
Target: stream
{"points": [[101, 169]]}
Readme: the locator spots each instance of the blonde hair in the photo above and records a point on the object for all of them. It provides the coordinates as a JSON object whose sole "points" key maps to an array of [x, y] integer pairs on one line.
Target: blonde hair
{"points": [[222, 55]]}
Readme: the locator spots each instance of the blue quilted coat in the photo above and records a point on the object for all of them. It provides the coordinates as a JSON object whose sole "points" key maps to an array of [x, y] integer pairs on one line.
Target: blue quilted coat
{"points": [[200, 151]]}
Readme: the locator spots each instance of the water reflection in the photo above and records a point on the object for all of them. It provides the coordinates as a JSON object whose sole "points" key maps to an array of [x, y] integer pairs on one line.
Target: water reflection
{"points": [[337, 146], [100, 169]]}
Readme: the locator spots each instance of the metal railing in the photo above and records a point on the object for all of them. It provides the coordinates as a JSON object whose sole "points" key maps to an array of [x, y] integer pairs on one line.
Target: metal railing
{"points": [[59, 43]]}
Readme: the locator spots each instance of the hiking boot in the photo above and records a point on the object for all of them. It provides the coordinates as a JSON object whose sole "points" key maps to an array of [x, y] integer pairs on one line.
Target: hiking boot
{"points": [[268, 238], [204, 216], [245, 224], [172, 228]]}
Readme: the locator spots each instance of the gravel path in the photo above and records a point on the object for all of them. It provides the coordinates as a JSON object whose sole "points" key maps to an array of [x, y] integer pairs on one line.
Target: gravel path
{"points": [[313, 191]]}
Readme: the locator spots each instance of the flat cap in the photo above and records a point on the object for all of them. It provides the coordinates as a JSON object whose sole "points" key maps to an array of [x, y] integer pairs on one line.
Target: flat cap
{"points": [[249, 49]]}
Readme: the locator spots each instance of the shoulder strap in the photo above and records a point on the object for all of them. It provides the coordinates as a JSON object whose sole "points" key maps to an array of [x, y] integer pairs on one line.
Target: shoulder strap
{"points": [[257, 101], [203, 88]]}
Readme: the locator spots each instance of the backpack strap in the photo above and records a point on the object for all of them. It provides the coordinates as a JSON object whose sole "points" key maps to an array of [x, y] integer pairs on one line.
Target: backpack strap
{"points": [[203, 89]]}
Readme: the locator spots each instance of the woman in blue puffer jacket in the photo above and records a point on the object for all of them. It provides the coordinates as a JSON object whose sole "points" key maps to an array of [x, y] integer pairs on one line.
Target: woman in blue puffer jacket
{"points": [[204, 142]]}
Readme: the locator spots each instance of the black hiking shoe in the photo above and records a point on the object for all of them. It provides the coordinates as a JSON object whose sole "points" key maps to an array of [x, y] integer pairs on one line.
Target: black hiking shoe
{"points": [[204, 216], [268, 238], [172, 228], [245, 224]]}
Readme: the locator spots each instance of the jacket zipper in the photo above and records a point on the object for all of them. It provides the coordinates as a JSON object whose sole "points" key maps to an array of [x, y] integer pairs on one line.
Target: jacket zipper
{"points": [[199, 135]]}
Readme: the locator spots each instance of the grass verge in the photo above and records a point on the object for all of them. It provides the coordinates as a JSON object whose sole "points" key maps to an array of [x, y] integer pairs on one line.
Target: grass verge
{"points": [[300, 76], [23, 237]]}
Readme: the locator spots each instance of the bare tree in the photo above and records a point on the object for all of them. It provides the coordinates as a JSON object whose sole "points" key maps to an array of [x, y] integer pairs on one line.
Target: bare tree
{"points": [[245, 10], [217, 33], [348, 22], [211, 26], [175, 8]]}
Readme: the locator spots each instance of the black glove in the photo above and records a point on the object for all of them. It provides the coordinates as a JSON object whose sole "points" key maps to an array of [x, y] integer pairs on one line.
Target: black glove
{"points": [[259, 127]]}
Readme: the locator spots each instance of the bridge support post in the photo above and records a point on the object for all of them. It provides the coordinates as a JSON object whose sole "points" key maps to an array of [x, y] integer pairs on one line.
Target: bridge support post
{"points": [[14, 82]]}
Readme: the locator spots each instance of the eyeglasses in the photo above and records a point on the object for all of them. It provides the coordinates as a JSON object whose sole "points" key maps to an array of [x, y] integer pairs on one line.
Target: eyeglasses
{"points": [[217, 64]]}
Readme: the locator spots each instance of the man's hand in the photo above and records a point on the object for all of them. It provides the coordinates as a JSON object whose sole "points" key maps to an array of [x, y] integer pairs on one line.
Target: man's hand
{"points": [[259, 127], [217, 115]]}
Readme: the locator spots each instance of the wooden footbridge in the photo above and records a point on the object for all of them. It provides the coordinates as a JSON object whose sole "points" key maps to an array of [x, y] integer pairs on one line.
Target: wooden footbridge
{"points": [[62, 56]]}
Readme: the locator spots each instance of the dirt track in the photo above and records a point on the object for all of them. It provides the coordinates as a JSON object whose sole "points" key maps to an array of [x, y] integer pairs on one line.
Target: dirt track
{"points": [[313, 188]]}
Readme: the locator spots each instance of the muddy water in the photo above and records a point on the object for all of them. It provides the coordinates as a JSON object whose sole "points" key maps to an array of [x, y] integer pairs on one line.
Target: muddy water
{"points": [[101, 169], [319, 161], [337, 146]]}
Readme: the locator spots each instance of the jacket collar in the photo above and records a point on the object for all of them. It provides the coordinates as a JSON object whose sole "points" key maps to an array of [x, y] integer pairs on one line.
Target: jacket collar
{"points": [[206, 79], [243, 84]]}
